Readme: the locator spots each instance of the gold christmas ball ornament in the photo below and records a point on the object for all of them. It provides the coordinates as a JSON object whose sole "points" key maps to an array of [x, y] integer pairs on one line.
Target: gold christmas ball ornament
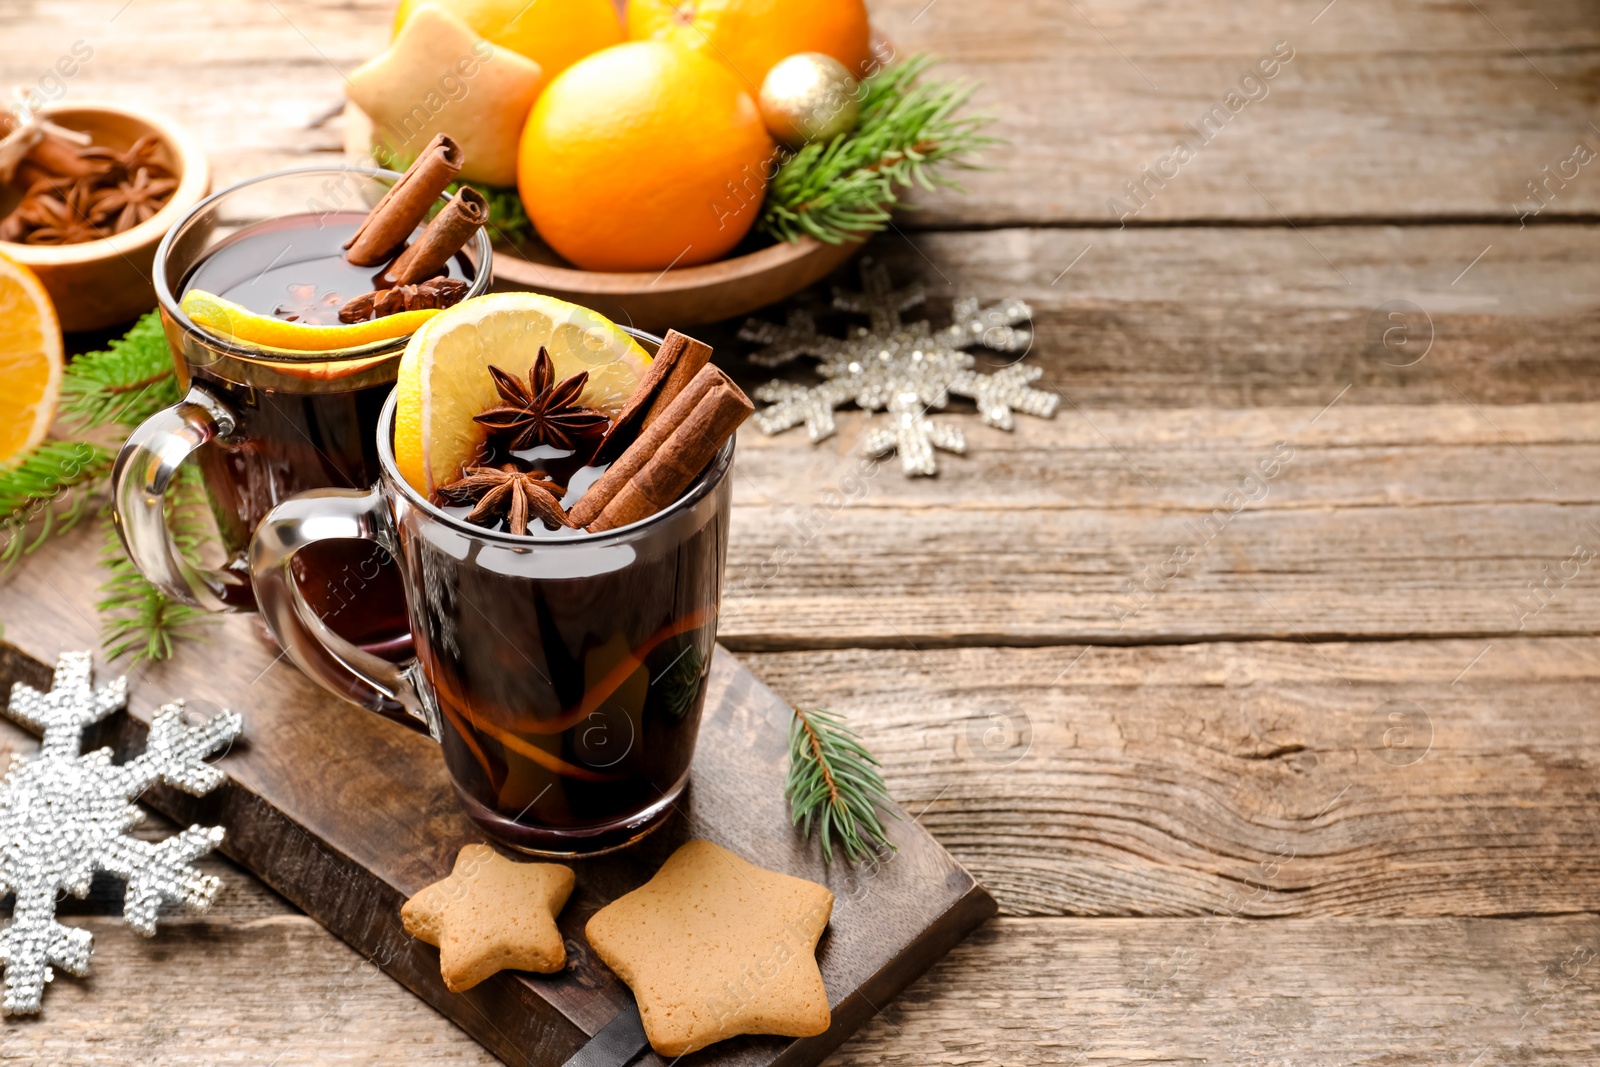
{"points": [[809, 97]]}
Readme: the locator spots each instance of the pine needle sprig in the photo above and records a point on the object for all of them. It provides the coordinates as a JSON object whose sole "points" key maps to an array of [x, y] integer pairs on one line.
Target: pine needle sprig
{"points": [[125, 384], [47, 493], [908, 133], [135, 617], [835, 783]]}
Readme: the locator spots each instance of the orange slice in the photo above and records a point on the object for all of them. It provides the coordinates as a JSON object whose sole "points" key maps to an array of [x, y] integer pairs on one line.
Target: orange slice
{"points": [[444, 375], [229, 320], [30, 360]]}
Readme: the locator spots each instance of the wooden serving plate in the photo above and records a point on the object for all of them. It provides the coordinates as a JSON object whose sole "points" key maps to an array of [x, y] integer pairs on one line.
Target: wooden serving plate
{"points": [[650, 300], [104, 283], [346, 815], [684, 296]]}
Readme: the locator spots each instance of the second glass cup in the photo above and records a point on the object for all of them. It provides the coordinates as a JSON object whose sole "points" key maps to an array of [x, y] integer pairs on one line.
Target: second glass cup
{"points": [[262, 423]]}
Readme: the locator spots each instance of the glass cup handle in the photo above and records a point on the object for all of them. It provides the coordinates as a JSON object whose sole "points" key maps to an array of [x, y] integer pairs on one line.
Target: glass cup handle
{"points": [[140, 479], [330, 660]]}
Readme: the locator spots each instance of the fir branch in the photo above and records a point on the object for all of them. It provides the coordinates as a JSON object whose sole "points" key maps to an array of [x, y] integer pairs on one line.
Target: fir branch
{"points": [[847, 188], [834, 781], [125, 384], [135, 616], [47, 493]]}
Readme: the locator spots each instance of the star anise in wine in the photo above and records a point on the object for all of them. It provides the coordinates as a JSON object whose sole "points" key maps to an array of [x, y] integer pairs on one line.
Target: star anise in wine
{"points": [[505, 492], [543, 412]]}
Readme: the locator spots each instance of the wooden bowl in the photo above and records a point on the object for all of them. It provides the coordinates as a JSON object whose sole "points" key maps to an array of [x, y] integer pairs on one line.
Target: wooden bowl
{"points": [[687, 296], [654, 301], [103, 283]]}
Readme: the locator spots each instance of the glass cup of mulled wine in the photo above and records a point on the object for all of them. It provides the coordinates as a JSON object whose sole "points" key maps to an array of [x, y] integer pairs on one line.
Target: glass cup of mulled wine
{"points": [[562, 672], [263, 424]]}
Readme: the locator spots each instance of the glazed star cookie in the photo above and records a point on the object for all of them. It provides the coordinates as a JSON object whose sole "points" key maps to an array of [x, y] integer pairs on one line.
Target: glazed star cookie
{"points": [[440, 77], [714, 946], [491, 914]]}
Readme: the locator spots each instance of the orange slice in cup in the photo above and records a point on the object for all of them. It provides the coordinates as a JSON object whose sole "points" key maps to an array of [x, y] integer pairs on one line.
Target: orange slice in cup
{"points": [[444, 375]]}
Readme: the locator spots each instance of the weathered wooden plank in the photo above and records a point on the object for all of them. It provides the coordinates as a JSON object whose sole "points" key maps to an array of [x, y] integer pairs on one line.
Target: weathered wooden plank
{"points": [[1236, 318], [1184, 459], [1262, 780], [1087, 95], [1090, 94], [1314, 993], [1022, 993]]}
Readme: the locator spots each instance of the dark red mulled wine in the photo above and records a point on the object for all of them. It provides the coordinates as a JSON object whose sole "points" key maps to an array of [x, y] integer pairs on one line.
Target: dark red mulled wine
{"points": [[300, 426], [569, 669]]}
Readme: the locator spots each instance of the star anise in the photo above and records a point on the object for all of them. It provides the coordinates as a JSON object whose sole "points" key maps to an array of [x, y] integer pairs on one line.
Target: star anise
{"points": [[62, 220], [509, 493], [543, 411], [134, 200]]}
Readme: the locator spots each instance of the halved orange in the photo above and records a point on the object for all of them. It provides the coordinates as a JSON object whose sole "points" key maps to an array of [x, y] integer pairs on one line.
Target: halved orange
{"points": [[444, 375], [30, 360]]}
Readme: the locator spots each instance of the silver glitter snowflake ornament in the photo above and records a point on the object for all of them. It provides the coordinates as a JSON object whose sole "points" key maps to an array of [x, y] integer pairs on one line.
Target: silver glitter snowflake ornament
{"points": [[65, 814], [912, 434], [877, 363]]}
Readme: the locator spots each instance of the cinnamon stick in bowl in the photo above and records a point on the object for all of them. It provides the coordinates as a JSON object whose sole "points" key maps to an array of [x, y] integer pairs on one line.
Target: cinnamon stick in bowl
{"points": [[406, 204], [670, 453]]}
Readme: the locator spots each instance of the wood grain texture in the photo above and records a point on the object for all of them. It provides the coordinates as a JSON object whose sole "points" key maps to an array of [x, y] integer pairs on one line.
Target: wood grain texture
{"points": [[1262, 780], [1395, 110], [1308, 993], [1401, 109], [1239, 318]]}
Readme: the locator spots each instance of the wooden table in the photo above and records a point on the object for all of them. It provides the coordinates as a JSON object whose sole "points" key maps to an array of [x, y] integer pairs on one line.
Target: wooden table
{"points": [[1321, 788]]}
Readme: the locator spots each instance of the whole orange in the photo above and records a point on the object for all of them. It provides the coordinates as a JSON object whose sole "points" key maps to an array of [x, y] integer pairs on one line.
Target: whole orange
{"points": [[752, 35], [553, 33], [644, 156]]}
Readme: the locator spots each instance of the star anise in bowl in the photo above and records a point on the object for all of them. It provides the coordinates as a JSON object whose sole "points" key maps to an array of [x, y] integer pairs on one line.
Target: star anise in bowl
{"points": [[543, 412]]}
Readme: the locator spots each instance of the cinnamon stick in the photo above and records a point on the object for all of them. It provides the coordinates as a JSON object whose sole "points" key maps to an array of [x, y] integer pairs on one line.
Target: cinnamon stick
{"points": [[446, 235], [406, 204], [677, 361], [647, 444], [715, 409]]}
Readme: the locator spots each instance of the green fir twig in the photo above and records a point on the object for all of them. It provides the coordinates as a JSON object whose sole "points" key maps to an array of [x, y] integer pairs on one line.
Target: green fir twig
{"points": [[125, 384], [908, 133], [835, 783], [55, 486], [47, 493]]}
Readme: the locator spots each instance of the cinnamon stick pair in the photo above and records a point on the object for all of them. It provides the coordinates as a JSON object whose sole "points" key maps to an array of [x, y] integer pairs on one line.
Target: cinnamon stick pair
{"points": [[670, 451], [677, 362], [395, 217], [402, 209]]}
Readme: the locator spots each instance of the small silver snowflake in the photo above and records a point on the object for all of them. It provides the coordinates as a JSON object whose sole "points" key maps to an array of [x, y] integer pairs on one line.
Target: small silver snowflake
{"points": [[873, 364], [65, 814], [912, 434]]}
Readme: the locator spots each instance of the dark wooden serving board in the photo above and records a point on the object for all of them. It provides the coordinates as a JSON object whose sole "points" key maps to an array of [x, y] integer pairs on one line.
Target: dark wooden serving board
{"points": [[347, 815]]}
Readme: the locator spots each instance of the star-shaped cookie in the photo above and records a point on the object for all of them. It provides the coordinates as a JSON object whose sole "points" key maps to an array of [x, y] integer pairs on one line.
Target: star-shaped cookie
{"points": [[714, 946], [490, 915], [440, 77]]}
